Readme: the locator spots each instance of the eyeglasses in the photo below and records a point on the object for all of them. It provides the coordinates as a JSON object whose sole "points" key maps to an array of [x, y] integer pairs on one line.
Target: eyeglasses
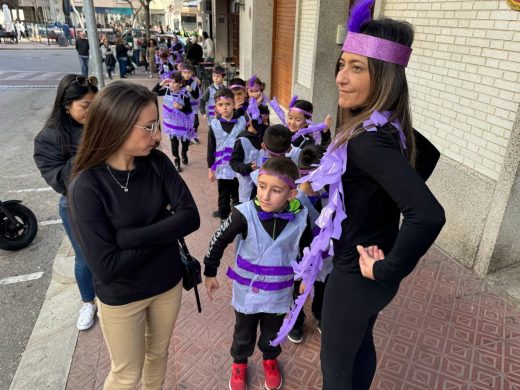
{"points": [[152, 129], [84, 81]]}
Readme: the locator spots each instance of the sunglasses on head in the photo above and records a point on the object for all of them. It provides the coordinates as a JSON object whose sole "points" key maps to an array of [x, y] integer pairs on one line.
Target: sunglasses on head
{"points": [[84, 81]]}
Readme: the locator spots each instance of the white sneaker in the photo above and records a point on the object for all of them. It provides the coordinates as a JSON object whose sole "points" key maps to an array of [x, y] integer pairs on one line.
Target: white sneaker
{"points": [[86, 315]]}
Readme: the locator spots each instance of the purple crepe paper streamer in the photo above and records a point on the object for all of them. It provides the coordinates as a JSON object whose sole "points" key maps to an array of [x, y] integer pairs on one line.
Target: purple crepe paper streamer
{"points": [[314, 127], [293, 100], [252, 109], [251, 82], [378, 119], [359, 14], [332, 167], [278, 110]]}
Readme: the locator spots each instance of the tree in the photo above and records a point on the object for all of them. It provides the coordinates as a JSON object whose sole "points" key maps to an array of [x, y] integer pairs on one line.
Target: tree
{"points": [[146, 5], [135, 12]]}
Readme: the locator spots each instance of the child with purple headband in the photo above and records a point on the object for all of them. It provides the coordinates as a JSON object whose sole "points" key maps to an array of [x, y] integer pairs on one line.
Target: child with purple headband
{"points": [[256, 105], [192, 85], [271, 232]]}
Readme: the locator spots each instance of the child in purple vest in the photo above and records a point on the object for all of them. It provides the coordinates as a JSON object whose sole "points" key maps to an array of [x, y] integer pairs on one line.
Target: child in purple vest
{"points": [[222, 134], [272, 231]]}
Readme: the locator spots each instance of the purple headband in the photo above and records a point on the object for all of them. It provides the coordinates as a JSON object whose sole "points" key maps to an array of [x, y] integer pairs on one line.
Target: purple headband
{"points": [[380, 49], [369, 46], [284, 178], [276, 154], [221, 97], [292, 108], [236, 86]]}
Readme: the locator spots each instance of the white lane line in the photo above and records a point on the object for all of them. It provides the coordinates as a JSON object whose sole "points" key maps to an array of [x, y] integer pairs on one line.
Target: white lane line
{"points": [[21, 278], [50, 222], [18, 176], [30, 190]]}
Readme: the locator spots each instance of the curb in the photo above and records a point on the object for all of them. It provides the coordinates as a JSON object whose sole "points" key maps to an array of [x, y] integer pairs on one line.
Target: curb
{"points": [[48, 355]]}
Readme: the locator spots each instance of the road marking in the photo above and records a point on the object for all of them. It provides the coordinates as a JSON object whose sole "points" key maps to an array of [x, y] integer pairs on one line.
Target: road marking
{"points": [[21, 278], [50, 222], [30, 190]]}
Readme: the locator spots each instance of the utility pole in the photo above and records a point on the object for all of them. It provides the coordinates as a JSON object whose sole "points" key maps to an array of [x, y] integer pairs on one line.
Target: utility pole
{"points": [[93, 40]]}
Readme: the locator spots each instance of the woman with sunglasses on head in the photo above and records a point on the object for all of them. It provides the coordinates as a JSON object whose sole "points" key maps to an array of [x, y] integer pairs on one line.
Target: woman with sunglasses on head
{"points": [[130, 206], [55, 149]]}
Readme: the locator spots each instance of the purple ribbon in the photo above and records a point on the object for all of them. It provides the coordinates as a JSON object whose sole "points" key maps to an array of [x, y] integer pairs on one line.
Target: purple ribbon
{"points": [[278, 110], [252, 109], [266, 215], [333, 165], [263, 269], [378, 119], [314, 127], [314, 198], [266, 286], [222, 120]]}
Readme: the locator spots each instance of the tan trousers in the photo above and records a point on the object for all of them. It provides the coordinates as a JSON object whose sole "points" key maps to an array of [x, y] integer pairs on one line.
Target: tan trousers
{"points": [[138, 335]]}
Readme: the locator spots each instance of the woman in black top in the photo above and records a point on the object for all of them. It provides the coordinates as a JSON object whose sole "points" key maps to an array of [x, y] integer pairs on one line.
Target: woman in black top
{"points": [[130, 206], [122, 56], [55, 149], [381, 176]]}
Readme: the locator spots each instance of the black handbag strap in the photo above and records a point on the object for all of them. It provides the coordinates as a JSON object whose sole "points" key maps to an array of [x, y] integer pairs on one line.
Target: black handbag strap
{"points": [[181, 241]]}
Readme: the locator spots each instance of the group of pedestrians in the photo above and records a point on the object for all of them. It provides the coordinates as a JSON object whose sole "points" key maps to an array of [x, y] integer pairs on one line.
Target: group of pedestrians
{"points": [[129, 206]]}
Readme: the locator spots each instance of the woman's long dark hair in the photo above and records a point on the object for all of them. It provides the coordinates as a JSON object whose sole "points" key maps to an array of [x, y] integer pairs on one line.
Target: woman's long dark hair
{"points": [[68, 92], [388, 86], [111, 119]]}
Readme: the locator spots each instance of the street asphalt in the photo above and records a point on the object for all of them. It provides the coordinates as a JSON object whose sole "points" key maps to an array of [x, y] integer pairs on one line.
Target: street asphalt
{"points": [[23, 111]]}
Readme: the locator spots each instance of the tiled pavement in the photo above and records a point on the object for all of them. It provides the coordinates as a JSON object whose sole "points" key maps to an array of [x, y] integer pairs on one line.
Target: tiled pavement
{"points": [[446, 329]]}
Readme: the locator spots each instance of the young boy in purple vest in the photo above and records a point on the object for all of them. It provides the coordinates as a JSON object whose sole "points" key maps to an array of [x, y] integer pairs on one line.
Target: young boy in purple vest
{"points": [[222, 134], [272, 231]]}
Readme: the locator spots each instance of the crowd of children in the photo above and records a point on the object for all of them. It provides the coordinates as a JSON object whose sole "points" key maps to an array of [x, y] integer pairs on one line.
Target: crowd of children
{"points": [[256, 166]]}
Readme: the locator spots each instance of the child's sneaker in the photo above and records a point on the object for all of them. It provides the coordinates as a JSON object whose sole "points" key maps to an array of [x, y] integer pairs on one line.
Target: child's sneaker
{"points": [[238, 379], [296, 334], [273, 378]]}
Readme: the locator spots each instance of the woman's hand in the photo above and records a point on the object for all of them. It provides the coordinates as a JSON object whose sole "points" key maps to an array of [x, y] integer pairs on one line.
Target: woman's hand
{"points": [[177, 106], [328, 122], [211, 284], [367, 258], [211, 175]]}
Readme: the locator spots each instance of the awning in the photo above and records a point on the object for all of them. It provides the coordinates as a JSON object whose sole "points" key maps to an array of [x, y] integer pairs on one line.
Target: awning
{"points": [[110, 10]]}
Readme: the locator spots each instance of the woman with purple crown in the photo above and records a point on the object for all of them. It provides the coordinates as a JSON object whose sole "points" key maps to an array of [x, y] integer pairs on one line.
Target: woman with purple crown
{"points": [[376, 170]]}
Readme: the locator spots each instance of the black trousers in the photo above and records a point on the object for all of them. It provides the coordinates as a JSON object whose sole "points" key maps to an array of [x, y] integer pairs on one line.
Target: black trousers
{"points": [[196, 122], [350, 307], [244, 336], [227, 194], [175, 147], [317, 301]]}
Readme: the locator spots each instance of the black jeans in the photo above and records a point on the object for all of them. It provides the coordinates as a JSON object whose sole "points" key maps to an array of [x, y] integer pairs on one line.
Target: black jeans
{"points": [[227, 193], [317, 301], [175, 147], [244, 336], [350, 307], [196, 122]]}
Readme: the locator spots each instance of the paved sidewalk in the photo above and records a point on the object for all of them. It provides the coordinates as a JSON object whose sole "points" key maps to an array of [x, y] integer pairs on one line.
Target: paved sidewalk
{"points": [[446, 329]]}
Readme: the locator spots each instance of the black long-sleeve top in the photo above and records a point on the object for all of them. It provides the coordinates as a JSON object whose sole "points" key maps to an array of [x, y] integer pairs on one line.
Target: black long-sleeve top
{"points": [[130, 238], [54, 153], [237, 156], [194, 93], [379, 185], [82, 46], [237, 224], [212, 142]]}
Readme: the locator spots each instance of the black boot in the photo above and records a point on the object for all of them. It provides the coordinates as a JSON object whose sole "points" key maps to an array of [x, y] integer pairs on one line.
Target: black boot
{"points": [[185, 158], [177, 165]]}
